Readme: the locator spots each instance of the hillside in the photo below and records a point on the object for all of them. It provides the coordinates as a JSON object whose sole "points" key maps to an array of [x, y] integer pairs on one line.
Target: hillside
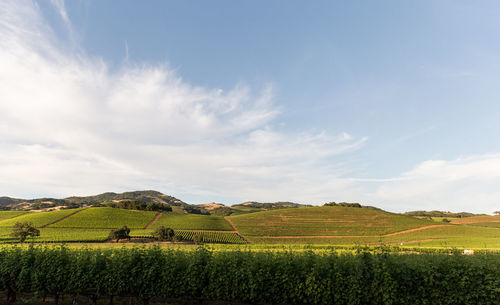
{"points": [[327, 225], [324, 221], [248, 207], [95, 200], [442, 214]]}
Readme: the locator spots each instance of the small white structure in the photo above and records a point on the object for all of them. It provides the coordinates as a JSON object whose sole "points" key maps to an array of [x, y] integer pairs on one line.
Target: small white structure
{"points": [[468, 252]]}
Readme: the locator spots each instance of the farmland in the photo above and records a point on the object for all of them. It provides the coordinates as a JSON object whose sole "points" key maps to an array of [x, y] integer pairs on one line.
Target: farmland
{"points": [[94, 224], [107, 218], [11, 214], [331, 225], [324, 221], [192, 222], [39, 219]]}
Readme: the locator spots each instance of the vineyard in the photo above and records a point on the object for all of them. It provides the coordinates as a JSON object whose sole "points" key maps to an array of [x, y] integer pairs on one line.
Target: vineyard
{"points": [[326, 221], [212, 237], [106, 218], [38, 219], [192, 222], [10, 214], [152, 274]]}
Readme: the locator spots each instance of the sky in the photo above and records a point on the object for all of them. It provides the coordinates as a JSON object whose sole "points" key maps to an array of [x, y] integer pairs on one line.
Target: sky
{"points": [[394, 104]]}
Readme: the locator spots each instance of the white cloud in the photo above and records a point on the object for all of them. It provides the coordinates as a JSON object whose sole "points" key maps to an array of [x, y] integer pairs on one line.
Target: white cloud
{"points": [[465, 184], [68, 126]]}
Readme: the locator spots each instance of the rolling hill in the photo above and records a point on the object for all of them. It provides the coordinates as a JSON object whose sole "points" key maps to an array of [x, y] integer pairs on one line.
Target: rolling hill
{"points": [[330, 225]]}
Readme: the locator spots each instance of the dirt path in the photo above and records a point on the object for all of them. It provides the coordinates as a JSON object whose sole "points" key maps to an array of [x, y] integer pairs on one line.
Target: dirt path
{"points": [[153, 220], [355, 236], [61, 219], [236, 230]]}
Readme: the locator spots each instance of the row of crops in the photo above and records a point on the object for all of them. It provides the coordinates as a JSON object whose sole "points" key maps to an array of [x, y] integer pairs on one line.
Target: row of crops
{"points": [[252, 277], [202, 236], [100, 235]]}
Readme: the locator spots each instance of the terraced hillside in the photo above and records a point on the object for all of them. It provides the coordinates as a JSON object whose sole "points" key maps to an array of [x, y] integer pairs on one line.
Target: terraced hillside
{"points": [[39, 219], [310, 225], [192, 222], [324, 221], [94, 225], [106, 218]]}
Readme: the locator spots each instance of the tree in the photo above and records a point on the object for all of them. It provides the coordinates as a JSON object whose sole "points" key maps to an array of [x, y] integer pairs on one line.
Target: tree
{"points": [[164, 233], [496, 212], [22, 230], [122, 233]]}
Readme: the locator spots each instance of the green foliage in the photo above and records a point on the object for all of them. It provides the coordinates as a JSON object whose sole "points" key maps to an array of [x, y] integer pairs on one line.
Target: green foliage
{"points": [[117, 234], [343, 204], [23, 230], [163, 233], [253, 277], [139, 205]]}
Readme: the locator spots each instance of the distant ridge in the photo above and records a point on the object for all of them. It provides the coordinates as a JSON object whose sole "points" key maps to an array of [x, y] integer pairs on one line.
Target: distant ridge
{"points": [[95, 200]]}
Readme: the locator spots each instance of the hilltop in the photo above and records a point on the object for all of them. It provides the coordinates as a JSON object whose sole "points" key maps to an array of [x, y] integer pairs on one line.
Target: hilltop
{"points": [[8, 203]]}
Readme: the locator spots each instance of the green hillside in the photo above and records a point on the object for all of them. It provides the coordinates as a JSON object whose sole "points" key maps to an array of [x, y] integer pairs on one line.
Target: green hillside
{"points": [[324, 221], [38, 219], [106, 218], [11, 214], [192, 222], [327, 225]]}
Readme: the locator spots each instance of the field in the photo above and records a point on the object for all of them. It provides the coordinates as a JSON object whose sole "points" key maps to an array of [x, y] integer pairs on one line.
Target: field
{"points": [[324, 221], [107, 218], [340, 226], [192, 222], [446, 236], [10, 214], [476, 219], [39, 219]]}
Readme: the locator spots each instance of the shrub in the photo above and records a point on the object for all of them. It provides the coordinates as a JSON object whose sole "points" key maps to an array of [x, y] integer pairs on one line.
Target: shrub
{"points": [[163, 233], [122, 233], [22, 230]]}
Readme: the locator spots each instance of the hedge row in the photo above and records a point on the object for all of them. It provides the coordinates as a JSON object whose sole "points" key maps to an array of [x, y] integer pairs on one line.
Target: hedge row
{"points": [[252, 277]]}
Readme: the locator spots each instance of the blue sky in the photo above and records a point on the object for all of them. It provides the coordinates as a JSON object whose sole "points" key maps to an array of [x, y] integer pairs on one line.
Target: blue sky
{"points": [[389, 103]]}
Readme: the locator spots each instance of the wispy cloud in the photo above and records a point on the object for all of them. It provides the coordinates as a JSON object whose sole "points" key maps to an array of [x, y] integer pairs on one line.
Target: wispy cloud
{"points": [[69, 125]]}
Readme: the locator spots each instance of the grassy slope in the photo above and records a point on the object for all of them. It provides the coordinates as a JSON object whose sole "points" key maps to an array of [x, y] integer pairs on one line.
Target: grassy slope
{"points": [[38, 218], [11, 214], [192, 222], [476, 219], [106, 218], [324, 221]]}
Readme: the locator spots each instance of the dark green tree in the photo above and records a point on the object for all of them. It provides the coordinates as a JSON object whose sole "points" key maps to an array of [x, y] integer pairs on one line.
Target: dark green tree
{"points": [[164, 233], [122, 233], [22, 230]]}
